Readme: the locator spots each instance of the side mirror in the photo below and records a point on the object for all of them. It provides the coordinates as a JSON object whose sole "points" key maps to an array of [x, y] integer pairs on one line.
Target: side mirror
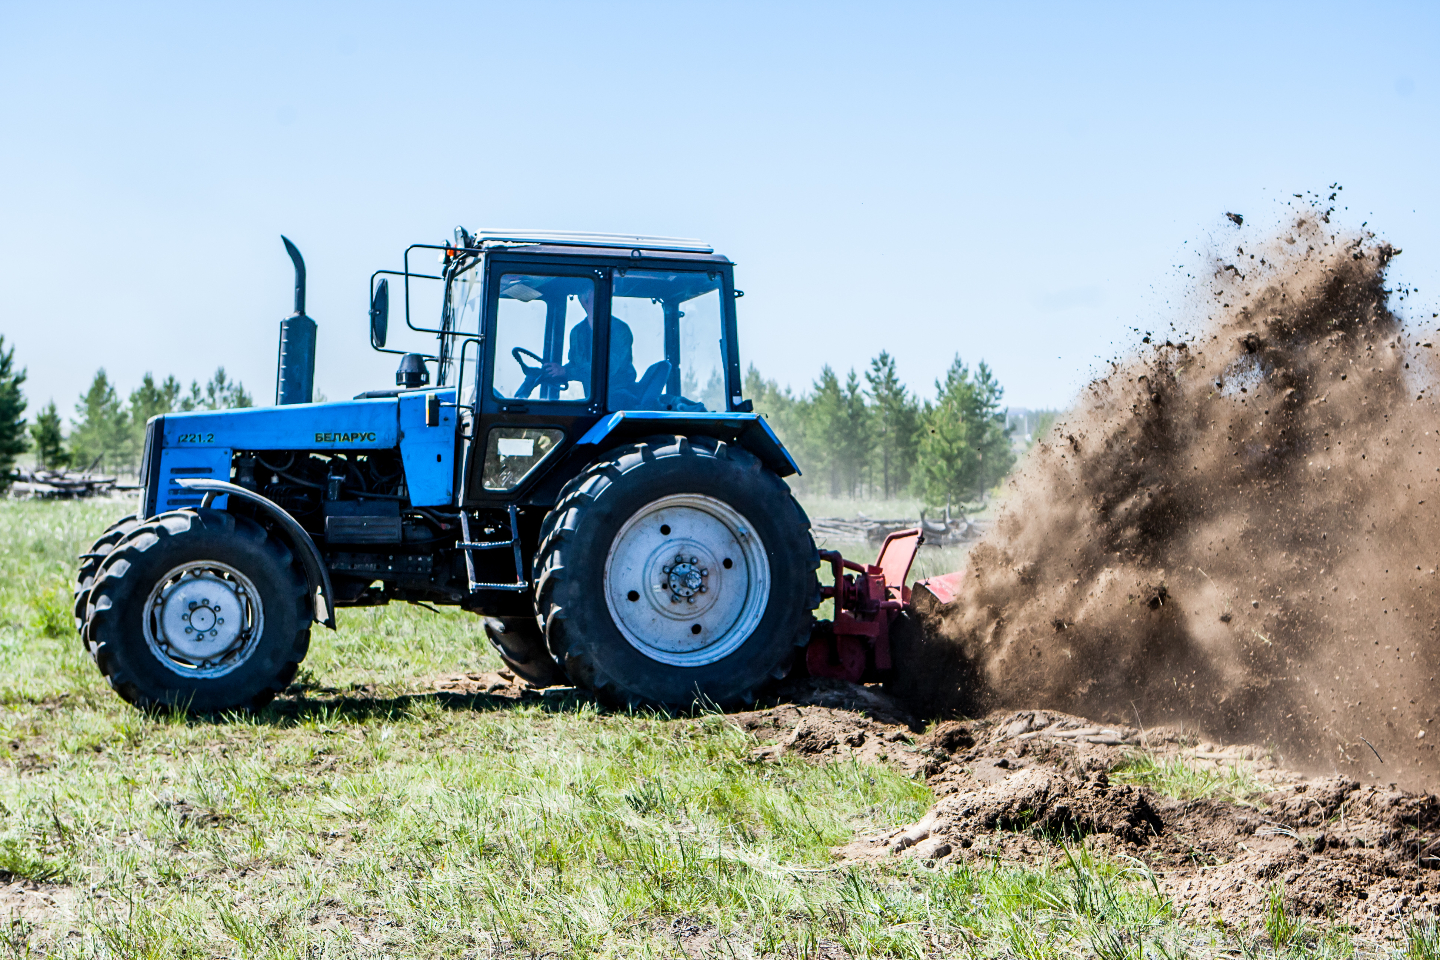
{"points": [[380, 315]]}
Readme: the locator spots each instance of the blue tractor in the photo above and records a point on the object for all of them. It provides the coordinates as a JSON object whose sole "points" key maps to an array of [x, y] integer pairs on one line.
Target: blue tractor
{"points": [[583, 473]]}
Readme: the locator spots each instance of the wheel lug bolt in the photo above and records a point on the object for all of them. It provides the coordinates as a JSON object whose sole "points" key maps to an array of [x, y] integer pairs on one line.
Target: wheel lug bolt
{"points": [[694, 560], [664, 569], [703, 588], [189, 629], [193, 604]]}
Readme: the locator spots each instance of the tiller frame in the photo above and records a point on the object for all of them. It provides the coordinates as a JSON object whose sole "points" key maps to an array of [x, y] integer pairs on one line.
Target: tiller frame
{"points": [[855, 646]]}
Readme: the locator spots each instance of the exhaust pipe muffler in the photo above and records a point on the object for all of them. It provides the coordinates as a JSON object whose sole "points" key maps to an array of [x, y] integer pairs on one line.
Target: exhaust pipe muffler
{"points": [[295, 369]]}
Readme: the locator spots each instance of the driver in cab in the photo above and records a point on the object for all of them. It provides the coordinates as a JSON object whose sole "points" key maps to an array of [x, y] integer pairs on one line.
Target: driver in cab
{"points": [[582, 339]]}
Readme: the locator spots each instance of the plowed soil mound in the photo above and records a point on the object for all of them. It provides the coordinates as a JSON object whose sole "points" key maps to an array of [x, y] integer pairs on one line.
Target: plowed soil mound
{"points": [[1024, 786]]}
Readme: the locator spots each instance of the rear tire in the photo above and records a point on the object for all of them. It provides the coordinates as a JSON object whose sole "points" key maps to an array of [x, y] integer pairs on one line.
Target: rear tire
{"points": [[676, 572], [91, 562], [201, 610]]}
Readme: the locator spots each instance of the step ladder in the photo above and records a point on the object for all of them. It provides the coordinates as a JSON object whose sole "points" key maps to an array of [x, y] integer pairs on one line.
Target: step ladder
{"points": [[470, 546]]}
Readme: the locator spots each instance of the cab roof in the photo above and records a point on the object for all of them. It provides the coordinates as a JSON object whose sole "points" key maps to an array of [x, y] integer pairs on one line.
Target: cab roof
{"points": [[572, 243], [571, 238]]}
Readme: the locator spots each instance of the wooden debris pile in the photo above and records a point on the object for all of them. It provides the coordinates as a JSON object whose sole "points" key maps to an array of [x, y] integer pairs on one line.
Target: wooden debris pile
{"points": [[862, 529], [33, 484]]}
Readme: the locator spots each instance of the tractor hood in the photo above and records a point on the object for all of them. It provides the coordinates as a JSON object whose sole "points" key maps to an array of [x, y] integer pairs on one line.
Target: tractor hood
{"points": [[201, 443], [344, 425]]}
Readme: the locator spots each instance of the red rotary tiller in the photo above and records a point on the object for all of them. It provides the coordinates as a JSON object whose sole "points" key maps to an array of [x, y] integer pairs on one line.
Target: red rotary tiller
{"points": [[855, 646]]}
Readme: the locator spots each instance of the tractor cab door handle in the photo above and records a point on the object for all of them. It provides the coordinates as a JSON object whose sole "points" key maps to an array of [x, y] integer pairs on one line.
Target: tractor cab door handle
{"points": [[515, 407]]}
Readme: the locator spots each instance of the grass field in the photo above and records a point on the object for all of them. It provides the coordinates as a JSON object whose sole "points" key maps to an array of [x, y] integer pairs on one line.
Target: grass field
{"points": [[368, 814]]}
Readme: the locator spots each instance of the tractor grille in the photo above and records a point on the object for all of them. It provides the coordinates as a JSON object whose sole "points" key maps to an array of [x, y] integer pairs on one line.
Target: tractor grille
{"points": [[177, 496]]}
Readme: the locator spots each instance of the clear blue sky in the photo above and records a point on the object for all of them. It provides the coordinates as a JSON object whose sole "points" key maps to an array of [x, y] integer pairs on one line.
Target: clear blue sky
{"points": [[1010, 183]]}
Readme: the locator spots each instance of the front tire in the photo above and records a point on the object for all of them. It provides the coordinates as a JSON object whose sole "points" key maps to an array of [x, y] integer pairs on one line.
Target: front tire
{"points": [[676, 572], [199, 609], [94, 559]]}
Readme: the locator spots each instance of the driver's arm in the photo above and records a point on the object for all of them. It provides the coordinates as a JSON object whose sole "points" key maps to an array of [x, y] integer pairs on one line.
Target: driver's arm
{"points": [[578, 367]]}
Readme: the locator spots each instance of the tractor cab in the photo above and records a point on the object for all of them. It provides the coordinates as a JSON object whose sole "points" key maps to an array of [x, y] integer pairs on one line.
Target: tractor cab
{"points": [[543, 335], [664, 332]]}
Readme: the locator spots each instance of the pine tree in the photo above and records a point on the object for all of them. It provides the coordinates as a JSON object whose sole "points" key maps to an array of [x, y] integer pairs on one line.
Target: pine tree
{"points": [[964, 446], [895, 424], [713, 395], [50, 452], [944, 449], [852, 440], [152, 399], [775, 404], [994, 451], [225, 394], [12, 410], [148, 400], [102, 433], [221, 393], [825, 416], [785, 415]]}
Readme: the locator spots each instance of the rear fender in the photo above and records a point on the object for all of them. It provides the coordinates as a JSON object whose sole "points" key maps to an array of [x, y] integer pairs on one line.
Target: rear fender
{"points": [[749, 430], [290, 530]]}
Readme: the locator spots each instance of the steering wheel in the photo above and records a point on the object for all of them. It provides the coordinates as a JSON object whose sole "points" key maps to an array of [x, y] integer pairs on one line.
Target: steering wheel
{"points": [[533, 374]]}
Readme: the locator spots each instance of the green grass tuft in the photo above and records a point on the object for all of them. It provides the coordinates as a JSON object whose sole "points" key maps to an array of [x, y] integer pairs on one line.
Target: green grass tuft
{"points": [[1187, 780], [1422, 941]]}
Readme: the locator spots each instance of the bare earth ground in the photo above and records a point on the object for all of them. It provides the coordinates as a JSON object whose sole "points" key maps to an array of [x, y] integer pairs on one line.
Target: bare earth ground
{"points": [[1031, 786]]}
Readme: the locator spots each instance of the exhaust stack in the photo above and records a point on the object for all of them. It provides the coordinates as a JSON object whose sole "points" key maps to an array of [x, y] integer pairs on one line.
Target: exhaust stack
{"points": [[295, 369]]}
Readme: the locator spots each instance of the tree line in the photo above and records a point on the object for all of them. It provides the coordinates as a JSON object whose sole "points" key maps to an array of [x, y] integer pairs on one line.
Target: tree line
{"points": [[872, 436], [863, 436], [107, 431]]}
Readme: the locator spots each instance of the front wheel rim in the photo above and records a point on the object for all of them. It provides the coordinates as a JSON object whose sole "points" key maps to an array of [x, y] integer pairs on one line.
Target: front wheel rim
{"points": [[203, 619], [687, 580]]}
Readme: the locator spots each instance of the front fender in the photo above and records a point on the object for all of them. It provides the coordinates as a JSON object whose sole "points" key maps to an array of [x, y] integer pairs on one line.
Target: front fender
{"points": [[749, 430], [298, 540]]}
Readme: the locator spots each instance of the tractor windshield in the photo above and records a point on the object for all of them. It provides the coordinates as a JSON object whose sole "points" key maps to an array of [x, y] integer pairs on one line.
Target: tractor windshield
{"points": [[674, 323]]}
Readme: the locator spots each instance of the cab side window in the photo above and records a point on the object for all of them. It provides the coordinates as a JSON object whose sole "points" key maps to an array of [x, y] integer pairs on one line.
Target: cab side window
{"points": [[668, 325], [544, 338]]}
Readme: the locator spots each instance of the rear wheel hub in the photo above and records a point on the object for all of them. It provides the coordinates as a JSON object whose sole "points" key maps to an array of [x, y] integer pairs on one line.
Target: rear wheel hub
{"points": [[687, 580]]}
